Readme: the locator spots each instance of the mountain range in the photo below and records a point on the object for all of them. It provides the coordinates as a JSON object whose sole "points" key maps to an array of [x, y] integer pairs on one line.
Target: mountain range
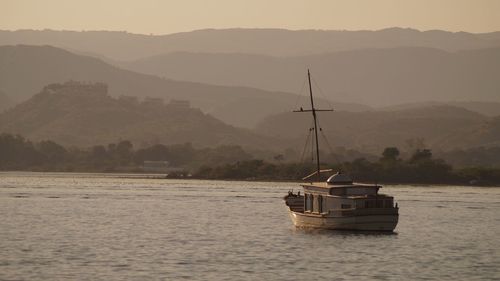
{"points": [[387, 87], [83, 114], [440, 127], [375, 68], [24, 70], [376, 77], [273, 42]]}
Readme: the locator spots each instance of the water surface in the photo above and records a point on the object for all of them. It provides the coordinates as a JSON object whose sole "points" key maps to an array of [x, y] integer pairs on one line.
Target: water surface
{"points": [[115, 227]]}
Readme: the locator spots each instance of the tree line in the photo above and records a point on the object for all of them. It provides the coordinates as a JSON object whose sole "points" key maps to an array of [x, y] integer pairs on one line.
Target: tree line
{"points": [[18, 153], [419, 168], [232, 162]]}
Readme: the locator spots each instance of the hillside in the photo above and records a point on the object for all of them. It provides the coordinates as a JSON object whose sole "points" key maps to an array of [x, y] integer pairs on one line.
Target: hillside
{"points": [[486, 135], [376, 77], [84, 114], [275, 42], [26, 69], [441, 128], [491, 109], [5, 101]]}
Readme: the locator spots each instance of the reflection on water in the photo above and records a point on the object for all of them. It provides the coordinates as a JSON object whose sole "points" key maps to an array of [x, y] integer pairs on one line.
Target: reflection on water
{"points": [[110, 227]]}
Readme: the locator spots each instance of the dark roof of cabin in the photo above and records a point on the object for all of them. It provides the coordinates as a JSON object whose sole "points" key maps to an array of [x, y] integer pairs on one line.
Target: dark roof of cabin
{"points": [[327, 185]]}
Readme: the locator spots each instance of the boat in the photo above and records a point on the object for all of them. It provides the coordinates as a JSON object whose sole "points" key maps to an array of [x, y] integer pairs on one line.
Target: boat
{"points": [[339, 203]]}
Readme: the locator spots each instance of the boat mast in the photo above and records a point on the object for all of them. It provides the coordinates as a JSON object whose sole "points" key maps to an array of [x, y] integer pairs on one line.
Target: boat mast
{"points": [[315, 125], [314, 110]]}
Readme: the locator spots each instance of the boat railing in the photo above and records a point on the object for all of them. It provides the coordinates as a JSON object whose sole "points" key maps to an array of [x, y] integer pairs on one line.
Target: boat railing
{"points": [[363, 211], [341, 212]]}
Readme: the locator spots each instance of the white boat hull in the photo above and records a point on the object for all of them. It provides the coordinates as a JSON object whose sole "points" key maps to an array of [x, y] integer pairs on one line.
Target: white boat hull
{"points": [[373, 222]]}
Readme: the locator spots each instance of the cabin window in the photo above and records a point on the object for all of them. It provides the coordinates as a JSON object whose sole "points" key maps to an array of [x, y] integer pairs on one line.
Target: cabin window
{"points": [[345, 206], [309, 202], [320, 204], [380, 203]]}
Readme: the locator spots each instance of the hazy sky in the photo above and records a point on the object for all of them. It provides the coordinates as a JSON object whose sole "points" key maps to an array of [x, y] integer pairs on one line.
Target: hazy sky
{"points": [[169, 16]]}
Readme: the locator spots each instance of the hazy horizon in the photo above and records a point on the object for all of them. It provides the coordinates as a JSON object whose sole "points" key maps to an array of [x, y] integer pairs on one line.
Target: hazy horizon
{"points": [[241, 28], [168, 17]]}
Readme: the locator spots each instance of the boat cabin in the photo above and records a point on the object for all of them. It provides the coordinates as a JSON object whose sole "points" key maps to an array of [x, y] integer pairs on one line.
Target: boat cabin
{"points": [[339, 192]]}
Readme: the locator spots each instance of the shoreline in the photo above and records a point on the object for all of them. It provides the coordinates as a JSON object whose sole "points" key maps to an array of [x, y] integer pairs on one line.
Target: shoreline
{"points": [[159, 176]]}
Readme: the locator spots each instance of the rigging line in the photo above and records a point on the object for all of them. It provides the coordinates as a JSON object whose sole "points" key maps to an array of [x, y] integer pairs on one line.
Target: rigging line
{"points": [[299, 95], [324, 136], [326, 141], [336, 161], [312, 146], [305, 147], [309, 134], [322, 93]]}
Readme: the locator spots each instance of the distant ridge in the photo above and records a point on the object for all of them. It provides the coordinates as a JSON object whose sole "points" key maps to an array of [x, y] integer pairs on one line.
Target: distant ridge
{"points": [[376, 68], [83, 114], [490, 108], [24, 70], [441, 127], [276, 42], [375, 76]]}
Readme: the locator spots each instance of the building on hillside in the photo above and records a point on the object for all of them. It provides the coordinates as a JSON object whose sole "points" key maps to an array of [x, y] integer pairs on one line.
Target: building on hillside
{"points": [[77, 88], [129, 99], [150, 101], [179, 104]]}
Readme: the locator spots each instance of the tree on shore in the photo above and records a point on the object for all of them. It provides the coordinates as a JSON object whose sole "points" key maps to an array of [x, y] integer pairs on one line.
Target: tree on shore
{"points": [[232, 162]]}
